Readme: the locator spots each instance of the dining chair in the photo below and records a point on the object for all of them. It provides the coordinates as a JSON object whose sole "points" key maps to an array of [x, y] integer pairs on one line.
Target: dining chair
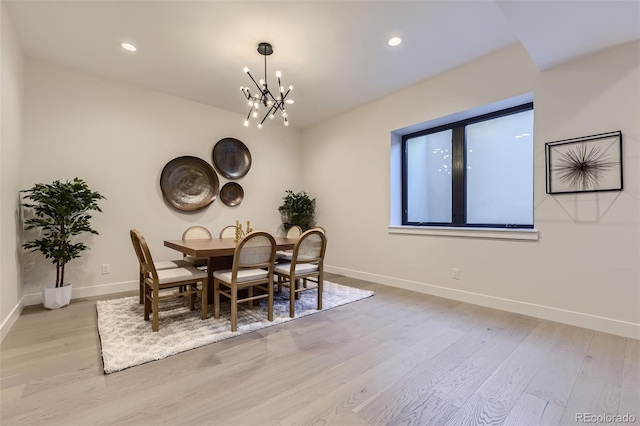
{"points": [[229, 232], [285, 255], [159, 265], [196, 232], [159, 280], [307, 261], [255, 251]]}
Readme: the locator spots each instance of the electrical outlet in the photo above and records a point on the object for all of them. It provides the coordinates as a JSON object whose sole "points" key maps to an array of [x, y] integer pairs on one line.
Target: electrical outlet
{"points": [[455, 273], [106, 269]]}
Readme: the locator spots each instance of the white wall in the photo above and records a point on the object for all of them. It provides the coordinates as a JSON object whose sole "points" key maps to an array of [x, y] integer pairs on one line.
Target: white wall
{"points": [[583, 269], [11, 119], [118, 138]]}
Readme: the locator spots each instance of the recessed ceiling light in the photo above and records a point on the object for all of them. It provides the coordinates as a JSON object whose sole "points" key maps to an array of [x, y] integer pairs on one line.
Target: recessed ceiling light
{"points": [[128, 46], [394, 41], [289, 101]]}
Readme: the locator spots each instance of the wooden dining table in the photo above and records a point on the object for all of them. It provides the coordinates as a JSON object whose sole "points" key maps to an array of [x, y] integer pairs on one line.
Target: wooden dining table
{"points": [[219, 252]]}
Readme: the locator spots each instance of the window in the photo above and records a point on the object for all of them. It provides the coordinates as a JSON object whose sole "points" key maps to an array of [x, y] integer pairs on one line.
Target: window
{"points": [[472, 173]]}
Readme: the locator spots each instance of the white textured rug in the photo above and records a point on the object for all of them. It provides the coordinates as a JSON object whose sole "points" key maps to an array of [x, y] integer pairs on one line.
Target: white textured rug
{"points": [[127, 340]]}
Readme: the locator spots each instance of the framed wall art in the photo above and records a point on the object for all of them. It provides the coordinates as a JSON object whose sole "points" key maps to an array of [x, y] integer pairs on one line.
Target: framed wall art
{"points": [[585, 164]]}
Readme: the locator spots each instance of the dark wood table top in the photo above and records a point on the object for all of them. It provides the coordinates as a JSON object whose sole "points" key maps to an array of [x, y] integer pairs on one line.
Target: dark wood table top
{"points": [[215, 247]]}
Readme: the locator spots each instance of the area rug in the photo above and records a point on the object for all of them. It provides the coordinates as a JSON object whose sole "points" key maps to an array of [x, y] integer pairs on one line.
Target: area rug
{"points": [[127, 340]]}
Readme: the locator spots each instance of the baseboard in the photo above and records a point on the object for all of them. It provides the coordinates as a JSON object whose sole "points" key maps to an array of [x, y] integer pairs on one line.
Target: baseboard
{"points": [[98, 290], [11, 319], [593, 322]]}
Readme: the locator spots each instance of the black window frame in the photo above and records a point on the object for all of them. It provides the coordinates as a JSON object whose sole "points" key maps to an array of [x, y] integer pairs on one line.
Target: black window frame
{"points": [[458, 173]]}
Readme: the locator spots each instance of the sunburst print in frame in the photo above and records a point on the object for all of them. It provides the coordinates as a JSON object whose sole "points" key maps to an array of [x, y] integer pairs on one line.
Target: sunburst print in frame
{"points": [[585, 164]]}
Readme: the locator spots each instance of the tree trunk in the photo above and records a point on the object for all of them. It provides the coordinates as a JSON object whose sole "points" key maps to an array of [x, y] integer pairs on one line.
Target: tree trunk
{"points": [[61, 275], [57, 274]]}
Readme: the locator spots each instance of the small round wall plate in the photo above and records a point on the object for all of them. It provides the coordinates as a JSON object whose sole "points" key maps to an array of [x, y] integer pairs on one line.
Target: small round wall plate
{"points": [[189, 183], [231, 158], [231, 194]]}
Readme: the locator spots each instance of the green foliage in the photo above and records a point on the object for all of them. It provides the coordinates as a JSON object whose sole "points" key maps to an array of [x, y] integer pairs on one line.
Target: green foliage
{"points": [[60, 212], [298, 209]]}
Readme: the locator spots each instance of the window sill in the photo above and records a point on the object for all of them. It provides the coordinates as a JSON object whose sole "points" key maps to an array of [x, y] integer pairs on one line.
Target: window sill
{"points": [[489, 233]]}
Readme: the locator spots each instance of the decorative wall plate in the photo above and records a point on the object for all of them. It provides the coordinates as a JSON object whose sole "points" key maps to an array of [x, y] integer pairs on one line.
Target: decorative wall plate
{"points": [[189, 183], [231, 194], [232, 158]]}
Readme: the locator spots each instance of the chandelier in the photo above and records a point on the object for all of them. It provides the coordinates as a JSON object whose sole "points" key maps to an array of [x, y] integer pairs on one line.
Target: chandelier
{"points": [[264, 98]]}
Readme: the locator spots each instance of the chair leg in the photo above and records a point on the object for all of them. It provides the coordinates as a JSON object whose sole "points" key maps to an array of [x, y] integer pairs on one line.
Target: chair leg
{"points": [[320, 289], [147, 302], [141, 287], [216, 298], [250, 303], [292, 296], [155, 309], [192, 295], [234, 307], [203, 296], [270, 300]]}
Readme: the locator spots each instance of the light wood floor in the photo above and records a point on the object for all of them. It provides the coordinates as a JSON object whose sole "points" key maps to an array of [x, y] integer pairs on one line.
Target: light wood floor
{"points": [[396, 358]]}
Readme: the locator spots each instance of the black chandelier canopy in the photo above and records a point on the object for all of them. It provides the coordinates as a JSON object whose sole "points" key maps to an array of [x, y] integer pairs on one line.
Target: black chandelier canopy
{"points": [[264, 98]]}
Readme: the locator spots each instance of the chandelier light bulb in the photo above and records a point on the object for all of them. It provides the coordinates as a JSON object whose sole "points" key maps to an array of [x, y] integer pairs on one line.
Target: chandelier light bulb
{"points": [[246, 70], [286, 123], [262, 82], [246, 123], [284, 114], [128, 46], [290, 87], [255, 114], [395, 41], [271, 117], [281, 89], [278, 74], [259, 125], [250, 103]]}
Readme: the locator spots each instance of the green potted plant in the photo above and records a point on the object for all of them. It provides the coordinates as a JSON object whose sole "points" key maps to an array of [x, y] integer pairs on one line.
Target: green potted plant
{"points": [[60, 212], [298, 209]]}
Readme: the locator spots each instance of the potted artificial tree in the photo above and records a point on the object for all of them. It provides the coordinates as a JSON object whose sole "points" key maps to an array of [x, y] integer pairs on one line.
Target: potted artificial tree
{"points": [[61, 212], [298, 209]]}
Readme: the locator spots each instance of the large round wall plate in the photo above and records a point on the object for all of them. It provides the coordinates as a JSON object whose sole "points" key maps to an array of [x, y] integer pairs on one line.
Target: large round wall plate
{"points": [[189, 183], [231, 194], [232, 158]]}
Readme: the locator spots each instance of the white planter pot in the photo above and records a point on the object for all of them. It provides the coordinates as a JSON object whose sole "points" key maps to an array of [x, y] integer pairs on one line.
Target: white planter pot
{"points": [[56, 297]]}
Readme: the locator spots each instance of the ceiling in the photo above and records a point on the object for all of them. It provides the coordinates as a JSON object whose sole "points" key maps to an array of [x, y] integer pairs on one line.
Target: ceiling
{"points": [[335, 53]]}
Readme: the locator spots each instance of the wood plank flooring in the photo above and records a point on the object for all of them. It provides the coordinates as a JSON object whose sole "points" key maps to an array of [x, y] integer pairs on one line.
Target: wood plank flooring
{"points": [[396, 358]]}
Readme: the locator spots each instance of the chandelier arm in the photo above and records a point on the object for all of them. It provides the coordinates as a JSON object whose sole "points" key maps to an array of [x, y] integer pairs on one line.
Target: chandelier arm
{"points": [[282, 106], [280, 86], [254, 81], [250, 111], [266, 115]]}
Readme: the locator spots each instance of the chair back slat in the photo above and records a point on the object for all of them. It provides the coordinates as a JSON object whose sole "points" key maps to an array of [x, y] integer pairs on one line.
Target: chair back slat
{"points": [[294, 232], [144, 255], [310, 248], [196, 233], [256, 250], [229, 232]]}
